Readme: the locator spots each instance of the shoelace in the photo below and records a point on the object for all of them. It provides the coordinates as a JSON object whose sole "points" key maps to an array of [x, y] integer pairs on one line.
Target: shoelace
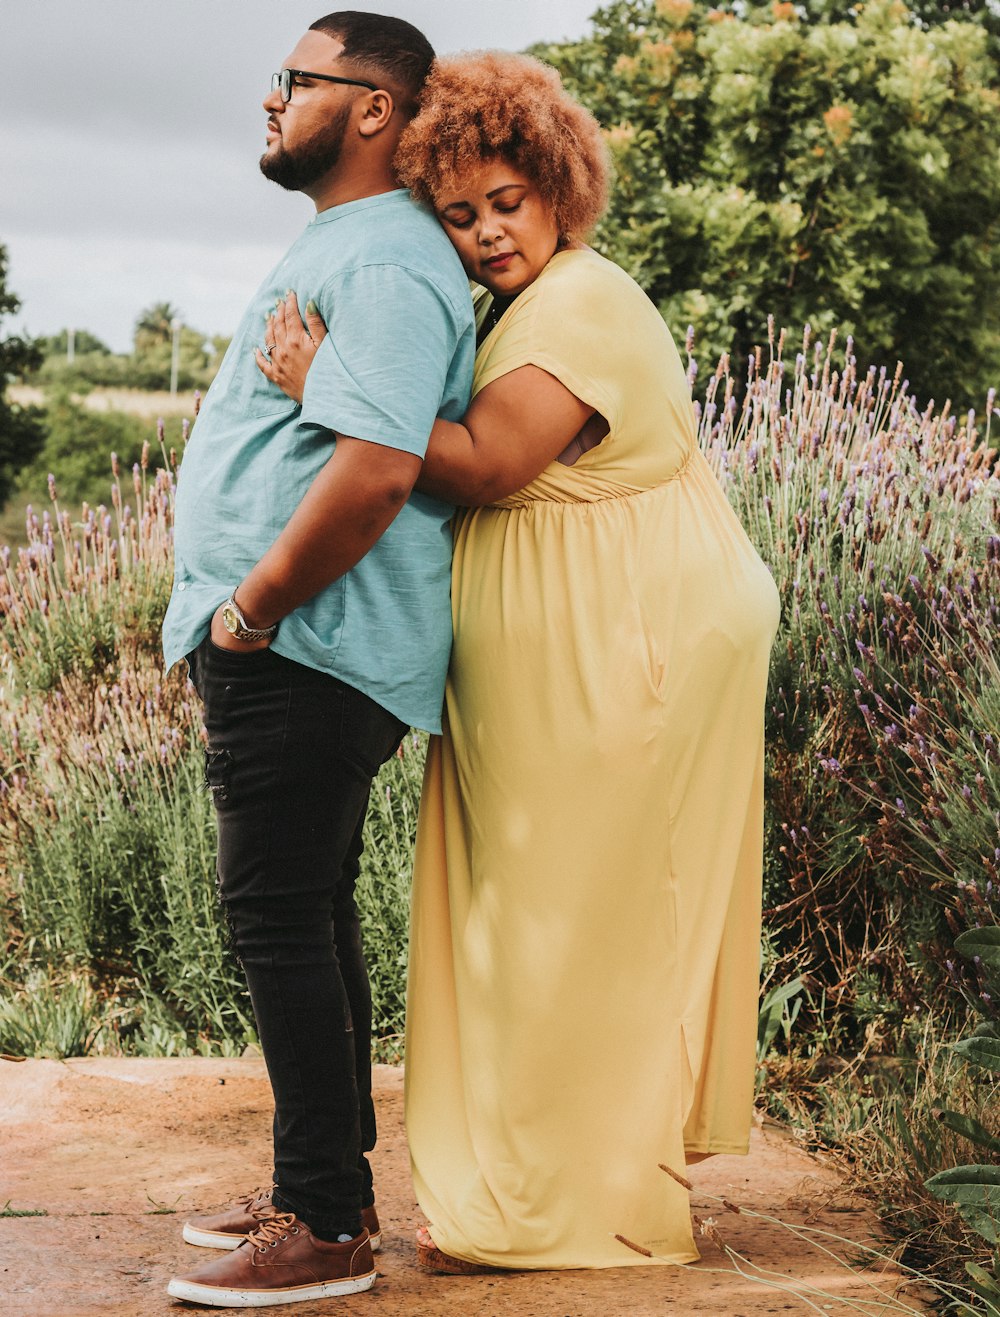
{"points": [[274, 1227]]}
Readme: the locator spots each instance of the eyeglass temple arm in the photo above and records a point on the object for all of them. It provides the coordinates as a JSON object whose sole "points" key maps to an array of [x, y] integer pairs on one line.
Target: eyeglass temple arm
{"points": [[322, 77]]}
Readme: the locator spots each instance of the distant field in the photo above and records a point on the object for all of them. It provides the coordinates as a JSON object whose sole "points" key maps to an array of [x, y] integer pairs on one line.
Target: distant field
{"points": [[136, 402]]}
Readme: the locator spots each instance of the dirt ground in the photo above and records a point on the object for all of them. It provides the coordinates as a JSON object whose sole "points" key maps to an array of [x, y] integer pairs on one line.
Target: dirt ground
{"points": [[113, 1154]]}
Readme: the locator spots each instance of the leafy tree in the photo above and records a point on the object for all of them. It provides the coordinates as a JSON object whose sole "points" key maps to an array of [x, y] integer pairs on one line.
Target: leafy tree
{"points": [[155, 324], [841, 173], [929, 13], [20, 433]]}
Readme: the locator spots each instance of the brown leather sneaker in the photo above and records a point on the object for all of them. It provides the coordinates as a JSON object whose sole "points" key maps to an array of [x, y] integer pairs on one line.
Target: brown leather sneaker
{"points": [[281, 1261], [228, 1228]]}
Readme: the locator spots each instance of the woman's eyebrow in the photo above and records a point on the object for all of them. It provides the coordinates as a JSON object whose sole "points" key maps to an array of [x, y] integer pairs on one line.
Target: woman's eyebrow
{"points": [[505, 188]]}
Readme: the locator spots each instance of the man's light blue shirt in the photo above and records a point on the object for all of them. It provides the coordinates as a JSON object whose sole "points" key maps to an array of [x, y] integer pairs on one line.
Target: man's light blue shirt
{"points": [[399, 352]]}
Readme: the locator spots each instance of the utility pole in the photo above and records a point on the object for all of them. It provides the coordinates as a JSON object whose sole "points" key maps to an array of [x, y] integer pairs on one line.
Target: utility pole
{"points": [[175, 353]]}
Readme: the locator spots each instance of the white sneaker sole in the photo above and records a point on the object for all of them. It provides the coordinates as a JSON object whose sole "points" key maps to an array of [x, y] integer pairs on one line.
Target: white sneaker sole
{"points": [[214, 1239], [214, 1297]]}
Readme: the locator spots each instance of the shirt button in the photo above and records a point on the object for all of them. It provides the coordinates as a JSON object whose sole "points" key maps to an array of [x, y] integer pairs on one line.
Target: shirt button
{"points": [[182, 585]]}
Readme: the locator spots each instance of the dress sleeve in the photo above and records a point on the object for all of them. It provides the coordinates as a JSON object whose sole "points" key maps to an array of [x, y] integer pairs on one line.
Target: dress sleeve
{"points": [[568, 325], [381, 372]]}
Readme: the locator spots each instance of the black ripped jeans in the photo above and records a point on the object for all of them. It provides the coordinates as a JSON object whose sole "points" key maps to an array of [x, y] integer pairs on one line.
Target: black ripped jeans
{"points": [[290, 760]]}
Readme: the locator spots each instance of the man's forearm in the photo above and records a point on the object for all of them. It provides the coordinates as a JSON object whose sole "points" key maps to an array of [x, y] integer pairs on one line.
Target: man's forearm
{"points": [[345, 511]]}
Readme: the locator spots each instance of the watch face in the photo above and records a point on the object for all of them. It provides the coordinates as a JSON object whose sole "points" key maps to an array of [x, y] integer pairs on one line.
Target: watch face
{"points": [[229, 619]]}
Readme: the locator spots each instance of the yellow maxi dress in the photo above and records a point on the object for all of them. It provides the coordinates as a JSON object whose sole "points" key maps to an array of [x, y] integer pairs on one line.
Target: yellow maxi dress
{"points": [[584, 953]]}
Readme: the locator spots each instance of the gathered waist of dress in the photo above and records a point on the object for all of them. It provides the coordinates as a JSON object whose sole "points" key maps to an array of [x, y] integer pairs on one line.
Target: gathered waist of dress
{"points": [[564, 484]]}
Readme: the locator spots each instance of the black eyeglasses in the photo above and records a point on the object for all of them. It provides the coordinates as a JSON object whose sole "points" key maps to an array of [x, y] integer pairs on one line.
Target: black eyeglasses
{"points": [[283, 81]]}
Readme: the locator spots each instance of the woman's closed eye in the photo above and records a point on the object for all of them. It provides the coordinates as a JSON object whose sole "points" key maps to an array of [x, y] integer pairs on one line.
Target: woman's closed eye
{"points": [[459, 215], [465, 219]]}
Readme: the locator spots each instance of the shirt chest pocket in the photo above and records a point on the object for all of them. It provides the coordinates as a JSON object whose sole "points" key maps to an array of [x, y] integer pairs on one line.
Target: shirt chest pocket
{"points": [[241, 388], [259, 397]]}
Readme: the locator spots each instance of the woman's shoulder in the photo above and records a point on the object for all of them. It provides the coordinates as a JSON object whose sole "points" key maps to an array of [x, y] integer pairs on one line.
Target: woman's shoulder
{"points": [[583, 268], [592, 312], [582, 312], [582, 282]]}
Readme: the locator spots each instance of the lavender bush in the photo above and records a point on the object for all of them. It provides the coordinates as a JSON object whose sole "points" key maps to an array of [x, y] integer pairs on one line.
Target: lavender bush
{"points": [[107, 869], [879, 520], [880, 523]]}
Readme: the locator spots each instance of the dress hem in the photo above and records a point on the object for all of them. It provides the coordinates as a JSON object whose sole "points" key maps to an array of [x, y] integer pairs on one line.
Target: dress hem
{"points": [[631, 1259]]}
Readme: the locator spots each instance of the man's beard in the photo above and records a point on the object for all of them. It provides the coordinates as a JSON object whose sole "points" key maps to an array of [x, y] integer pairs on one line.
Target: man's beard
{"points": [[298, 169]]}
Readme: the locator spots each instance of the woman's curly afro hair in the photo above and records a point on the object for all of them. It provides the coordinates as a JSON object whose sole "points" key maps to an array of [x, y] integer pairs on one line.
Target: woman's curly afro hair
{"points": [[491, 105]]}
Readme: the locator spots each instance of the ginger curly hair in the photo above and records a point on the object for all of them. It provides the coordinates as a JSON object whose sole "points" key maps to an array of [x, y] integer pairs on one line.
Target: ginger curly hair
{"points": [[487, 105]]}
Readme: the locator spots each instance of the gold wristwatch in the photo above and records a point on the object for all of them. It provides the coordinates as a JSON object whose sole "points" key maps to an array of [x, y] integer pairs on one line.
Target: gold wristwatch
{"points": [[236, 624]]}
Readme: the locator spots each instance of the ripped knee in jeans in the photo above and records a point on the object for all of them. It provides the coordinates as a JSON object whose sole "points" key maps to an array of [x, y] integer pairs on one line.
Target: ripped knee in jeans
{"points": [[218, 770]]}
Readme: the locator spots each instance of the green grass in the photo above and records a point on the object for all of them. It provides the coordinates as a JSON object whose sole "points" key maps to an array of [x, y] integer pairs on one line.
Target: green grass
{"points": [[7, 1210]]}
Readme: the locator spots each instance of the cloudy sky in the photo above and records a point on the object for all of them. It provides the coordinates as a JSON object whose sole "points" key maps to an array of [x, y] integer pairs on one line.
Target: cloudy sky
{"points": [[132, 129]]}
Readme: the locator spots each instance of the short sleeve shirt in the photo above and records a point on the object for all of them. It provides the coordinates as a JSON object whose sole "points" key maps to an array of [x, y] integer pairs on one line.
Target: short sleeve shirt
{"points": [[399, 352]]}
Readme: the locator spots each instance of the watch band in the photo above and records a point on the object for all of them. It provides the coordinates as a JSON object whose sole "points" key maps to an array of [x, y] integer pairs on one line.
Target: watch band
{"points": [[236, 624]]}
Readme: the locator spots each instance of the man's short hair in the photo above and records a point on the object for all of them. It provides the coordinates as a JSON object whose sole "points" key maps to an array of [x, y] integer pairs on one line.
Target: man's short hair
{"points": [[390, 50]]}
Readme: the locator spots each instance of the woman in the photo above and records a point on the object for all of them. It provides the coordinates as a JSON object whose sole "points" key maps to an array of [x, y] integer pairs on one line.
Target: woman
{"points": [[586, 902]]}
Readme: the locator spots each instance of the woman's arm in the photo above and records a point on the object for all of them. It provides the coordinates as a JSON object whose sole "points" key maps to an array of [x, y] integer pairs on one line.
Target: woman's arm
{"points": [[514, 428]]}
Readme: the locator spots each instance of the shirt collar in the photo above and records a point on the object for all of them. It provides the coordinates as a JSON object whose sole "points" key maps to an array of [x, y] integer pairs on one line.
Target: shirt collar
{"points": [[354, 207]]}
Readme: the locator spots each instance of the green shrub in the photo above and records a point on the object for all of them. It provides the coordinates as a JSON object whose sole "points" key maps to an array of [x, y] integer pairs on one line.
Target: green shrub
{"points": [[383, 894], [20, 432], [50, 1016], [76, 445]]}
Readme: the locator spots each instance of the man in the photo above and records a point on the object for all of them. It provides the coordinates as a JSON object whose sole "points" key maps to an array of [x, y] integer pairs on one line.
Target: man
{"points": [[311, 599]]}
